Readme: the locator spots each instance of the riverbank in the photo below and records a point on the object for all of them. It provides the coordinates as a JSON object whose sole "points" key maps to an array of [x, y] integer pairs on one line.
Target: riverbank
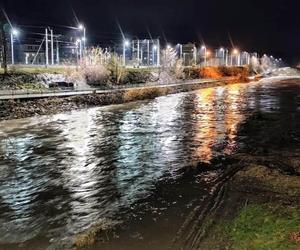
{"points": [[261, 206], [27, 107]]}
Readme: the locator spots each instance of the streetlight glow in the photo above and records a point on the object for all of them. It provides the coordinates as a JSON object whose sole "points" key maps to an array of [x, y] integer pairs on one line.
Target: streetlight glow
{"points": [[235, 51], [126, 43], [15, 32], [80, 26]]}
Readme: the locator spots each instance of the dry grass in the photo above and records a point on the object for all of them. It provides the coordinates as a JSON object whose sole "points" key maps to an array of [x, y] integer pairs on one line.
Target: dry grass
{"points": [[241, 73], [272, 179], [97, 232], [143, 93]]}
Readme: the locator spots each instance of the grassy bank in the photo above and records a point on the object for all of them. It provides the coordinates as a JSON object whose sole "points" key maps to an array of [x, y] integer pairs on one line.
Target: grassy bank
{"points": [[261, 207], [266, 226]]}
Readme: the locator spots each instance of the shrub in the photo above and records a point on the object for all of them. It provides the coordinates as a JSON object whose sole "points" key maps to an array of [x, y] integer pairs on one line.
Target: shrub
{"points": [[137, 76], [240, 73], [93, 67]]}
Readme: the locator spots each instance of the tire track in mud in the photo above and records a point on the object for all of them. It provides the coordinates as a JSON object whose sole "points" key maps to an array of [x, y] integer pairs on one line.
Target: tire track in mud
{"points": [[195, 227]]}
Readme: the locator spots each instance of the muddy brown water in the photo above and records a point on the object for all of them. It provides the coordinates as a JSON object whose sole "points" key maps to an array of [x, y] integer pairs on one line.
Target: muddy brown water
{"points": [[60, 174]]}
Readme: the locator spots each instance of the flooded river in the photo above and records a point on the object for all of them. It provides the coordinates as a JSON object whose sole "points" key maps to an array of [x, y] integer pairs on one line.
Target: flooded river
{"points": [[62, 173]]}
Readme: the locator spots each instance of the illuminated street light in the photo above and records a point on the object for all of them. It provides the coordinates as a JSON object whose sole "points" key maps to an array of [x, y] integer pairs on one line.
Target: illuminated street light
{"points": [[14, 32], [203, 47], [154, 49], [180, 50], [237, 54], [83, 29], [223, 55], [125, 44]]}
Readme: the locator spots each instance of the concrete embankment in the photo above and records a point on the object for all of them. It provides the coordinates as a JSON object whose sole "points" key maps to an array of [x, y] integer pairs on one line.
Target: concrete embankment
{"points": [[31, 106]]}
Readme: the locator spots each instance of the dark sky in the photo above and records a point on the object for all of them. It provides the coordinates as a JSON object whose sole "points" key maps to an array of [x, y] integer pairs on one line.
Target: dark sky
{"points": [[271, 26]]}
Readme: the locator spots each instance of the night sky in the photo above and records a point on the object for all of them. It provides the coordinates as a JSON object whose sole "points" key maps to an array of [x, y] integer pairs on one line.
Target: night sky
{"points": [[271, 26]]}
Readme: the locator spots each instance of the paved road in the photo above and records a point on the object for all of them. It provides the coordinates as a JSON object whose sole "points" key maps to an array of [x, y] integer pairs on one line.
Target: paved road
{"points": [[31, 94]]}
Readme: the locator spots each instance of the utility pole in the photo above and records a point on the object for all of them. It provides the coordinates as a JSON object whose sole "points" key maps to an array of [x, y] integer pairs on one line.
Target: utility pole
{"points": [[52, 47], [148, 51], [158, 53], [181, 51], [47, 52], [194, 54], [124, 53], [138, 52], [3, 40], [80, 49], [57, 51], [84, 40], [12, 48]]}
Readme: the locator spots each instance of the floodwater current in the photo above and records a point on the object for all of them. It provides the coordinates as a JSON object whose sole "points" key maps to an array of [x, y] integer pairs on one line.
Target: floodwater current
{"points": [[60, 174]]}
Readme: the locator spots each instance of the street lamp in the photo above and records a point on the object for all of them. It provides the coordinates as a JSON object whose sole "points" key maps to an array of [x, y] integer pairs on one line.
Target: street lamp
{"points": [[203, 47], [180, 50], [79, 43], [222, 50], [237, 54], [154, 49], [125, 44], [83, 29], [207, 54], [14, 32]]}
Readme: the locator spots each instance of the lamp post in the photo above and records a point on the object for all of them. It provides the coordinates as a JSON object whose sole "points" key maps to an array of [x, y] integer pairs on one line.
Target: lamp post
{"points": [[79, 43], [158, 52], [13, 33], [154, 48], [125, 44], [236, 53], [205, 51], [83, 29], [222, 50], [180, 50], [207, 54]]}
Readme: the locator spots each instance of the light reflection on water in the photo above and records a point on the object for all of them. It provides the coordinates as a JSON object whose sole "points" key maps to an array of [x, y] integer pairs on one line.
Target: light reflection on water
{"points": [[61, 173]]}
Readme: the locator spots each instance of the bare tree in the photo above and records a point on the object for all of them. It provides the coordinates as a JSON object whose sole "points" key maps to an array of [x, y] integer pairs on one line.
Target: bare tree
{"points": [[171, 66]]}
